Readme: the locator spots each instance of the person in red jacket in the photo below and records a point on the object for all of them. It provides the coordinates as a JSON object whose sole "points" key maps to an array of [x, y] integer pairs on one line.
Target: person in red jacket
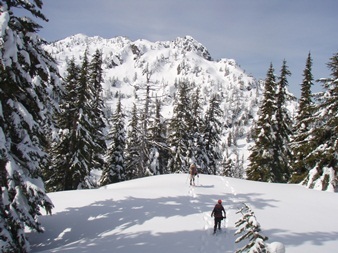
{"points": [[217, 212]]}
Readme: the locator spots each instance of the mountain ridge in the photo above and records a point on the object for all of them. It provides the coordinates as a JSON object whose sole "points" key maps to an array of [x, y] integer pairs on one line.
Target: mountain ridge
{"points": [[129, 66]]}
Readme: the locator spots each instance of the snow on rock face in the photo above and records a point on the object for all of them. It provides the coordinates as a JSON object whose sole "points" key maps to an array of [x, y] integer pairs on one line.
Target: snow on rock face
{"points": [[188, 44], [168, 62], [129, 66]]}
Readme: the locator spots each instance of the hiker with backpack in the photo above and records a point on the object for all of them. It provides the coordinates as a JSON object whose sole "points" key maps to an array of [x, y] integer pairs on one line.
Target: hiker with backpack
{"points": [[217, 213], [193, 173]]}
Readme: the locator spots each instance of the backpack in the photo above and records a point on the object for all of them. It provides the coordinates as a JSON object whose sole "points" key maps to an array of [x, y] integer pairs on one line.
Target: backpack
{"points": [[193, 170], [218, 210]]}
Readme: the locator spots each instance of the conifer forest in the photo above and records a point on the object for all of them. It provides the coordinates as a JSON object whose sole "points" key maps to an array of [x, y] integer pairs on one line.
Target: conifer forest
{"points": [[62, 129]]}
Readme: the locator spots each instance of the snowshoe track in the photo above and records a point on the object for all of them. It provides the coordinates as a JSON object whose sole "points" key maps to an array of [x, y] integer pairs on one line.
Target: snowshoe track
{"points": [[222, 241]]}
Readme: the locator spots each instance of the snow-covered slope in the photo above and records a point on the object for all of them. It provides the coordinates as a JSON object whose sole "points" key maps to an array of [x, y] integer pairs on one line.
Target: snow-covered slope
{"points": [[128, 64], [168, 62], [165, 214]]}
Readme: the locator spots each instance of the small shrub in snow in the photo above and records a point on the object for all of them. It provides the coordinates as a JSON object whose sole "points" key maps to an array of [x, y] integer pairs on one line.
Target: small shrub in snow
{"points": [[249, 228]]}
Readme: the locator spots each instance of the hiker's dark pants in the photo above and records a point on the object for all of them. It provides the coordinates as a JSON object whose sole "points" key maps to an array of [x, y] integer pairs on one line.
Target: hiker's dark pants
{"points": [[192, 179], [218, 221]]}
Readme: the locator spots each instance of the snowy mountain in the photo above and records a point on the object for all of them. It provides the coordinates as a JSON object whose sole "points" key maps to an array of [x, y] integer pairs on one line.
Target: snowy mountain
{"points": [[165, 214], [130, 65]]}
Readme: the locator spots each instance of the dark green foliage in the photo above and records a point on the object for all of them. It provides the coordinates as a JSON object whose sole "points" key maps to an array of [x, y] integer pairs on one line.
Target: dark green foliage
{"points": [[302, 127], [114, 169], [322, 158], [198, 143], [180, 133], [132, 160], [250, 229], [212, 133], [27, 75], [81, 143], [282, 156], [97, 115], [144, 145], [270, 156], [194, 137], [263, 152], [159, 151], [61, 150]]}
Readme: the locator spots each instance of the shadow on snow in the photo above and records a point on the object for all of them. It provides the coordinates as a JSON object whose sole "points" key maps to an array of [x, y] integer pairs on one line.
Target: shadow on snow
{"points": [[100, 226]]}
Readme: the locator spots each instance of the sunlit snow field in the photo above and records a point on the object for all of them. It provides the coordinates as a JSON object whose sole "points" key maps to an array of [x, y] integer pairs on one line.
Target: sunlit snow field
{"points": [[164, 214]]}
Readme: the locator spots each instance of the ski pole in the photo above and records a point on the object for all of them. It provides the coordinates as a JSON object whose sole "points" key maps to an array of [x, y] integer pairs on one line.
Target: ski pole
{"points": [[225, 221]]}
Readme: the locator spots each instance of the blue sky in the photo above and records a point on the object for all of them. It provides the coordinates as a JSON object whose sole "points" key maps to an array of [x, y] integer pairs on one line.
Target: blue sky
{"points": [[253, 32]]}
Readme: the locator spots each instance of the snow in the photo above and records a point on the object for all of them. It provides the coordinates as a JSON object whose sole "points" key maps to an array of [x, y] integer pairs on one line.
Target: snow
{"points": [[129, 66], [4, 18], [165, 214]]}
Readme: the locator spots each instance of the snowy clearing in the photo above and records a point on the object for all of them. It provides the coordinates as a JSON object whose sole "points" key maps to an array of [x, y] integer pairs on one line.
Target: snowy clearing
{"points": [[165, 214]]}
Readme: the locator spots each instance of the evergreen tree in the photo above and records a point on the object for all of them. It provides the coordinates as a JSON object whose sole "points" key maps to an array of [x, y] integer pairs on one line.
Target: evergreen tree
{"points": [[262, 157], [159, 153], [179, 133], [250, 229], [143, 133], [114, 169], [282, 155], [212, 133], [67, 120], [97, 116], [132, 157], [81, 143], [303, 125], [27, 76], [227, 166], [271, 155], [143, 136], [90, 126], [233, 167], [197, 125], [323, 158]]}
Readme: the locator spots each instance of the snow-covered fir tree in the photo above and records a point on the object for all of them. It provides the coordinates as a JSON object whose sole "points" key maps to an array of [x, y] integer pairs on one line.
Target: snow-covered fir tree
{"points": [[81, 134], [114, 169], [28, 85], [250, 229], [282, 155], [270, 156], [161, 66], [197, 124], [62, 148], [81, 143], [212, 134], [97, 113], [233, 168], [159, 151], [145, 115], [132, 154], [180, 136], [302, 127], [323, 159], [262, 157]]}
